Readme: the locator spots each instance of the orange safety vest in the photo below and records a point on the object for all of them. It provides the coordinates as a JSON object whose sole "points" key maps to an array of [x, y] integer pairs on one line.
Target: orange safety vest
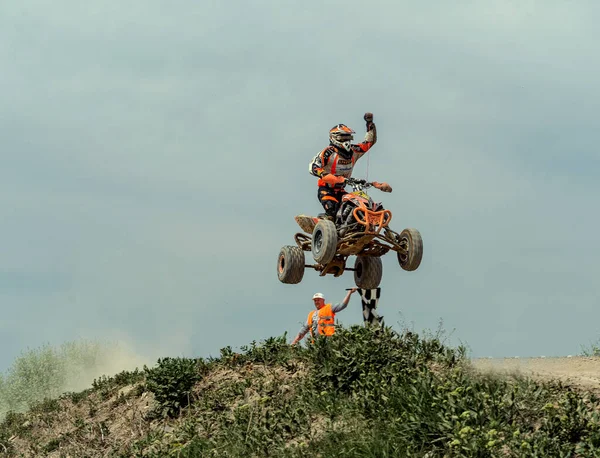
{"points": [[325, 323]]}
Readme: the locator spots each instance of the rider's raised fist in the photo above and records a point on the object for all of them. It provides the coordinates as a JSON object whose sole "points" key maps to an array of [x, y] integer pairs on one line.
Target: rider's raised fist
{"points": [[368, 117]]}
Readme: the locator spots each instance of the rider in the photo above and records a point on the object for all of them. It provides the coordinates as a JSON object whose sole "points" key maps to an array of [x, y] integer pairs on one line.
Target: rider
{"points": [[335, 163]]}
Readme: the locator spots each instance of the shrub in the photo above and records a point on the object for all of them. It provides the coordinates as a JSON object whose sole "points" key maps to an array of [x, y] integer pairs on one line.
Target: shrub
{"points": [[171, 382]]}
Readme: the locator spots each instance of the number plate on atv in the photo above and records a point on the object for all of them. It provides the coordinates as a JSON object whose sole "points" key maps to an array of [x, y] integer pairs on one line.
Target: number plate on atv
{"points": [[362, 194]]}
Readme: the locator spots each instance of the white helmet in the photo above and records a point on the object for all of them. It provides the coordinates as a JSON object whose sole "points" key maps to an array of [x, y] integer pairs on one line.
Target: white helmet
{"points": [[318, 296], [341, 136]]}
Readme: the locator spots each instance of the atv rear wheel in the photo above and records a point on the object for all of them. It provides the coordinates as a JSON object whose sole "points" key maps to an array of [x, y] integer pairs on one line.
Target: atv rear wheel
{"points": [[324, 241], [290, 265], [414, 245], [368, 271]]}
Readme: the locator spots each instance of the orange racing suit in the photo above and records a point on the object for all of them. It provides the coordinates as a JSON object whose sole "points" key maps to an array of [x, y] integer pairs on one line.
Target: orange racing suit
{"points": [[332, 160]]}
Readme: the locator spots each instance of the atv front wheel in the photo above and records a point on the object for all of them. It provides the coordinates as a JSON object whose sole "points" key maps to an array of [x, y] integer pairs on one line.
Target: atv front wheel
{"points": [[290, 265], [368, 271], [411, 239], [324, 241]]}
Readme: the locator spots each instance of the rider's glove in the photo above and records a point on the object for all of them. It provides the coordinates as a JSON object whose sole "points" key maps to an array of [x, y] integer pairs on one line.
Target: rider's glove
{"points": [[382, 186], [368, 117], [332, 180]]}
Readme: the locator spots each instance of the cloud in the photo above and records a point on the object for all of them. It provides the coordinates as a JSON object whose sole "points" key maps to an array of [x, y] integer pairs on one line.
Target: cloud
{"points": [[26, 282], [154, 155]]}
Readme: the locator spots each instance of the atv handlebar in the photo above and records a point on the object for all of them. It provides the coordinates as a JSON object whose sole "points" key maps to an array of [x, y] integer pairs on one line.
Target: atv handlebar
{"points": [[354, 181], [364, 184]]}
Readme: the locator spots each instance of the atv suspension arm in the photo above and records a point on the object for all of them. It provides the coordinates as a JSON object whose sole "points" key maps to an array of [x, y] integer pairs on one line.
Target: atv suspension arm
{"points": [[320, 267]]}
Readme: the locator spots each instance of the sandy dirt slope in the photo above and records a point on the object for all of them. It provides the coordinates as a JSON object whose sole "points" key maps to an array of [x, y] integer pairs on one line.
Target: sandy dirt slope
{"points": [[578, 371]]}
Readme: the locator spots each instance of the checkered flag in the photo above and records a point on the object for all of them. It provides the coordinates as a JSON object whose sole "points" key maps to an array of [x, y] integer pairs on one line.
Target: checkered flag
{"points": [[369, 298]]}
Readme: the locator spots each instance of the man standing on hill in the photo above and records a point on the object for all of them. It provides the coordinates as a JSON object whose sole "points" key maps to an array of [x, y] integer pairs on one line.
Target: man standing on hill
{"points": [[322, 320]]}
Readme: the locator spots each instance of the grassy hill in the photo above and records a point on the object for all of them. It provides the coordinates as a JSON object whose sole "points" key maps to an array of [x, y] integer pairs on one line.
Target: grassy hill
{"points": [[362, 393]]}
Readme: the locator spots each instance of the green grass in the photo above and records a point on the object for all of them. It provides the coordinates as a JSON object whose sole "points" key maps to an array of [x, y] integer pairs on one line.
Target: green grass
{"points": [[379, 393], [593, 349], [361, 393]]}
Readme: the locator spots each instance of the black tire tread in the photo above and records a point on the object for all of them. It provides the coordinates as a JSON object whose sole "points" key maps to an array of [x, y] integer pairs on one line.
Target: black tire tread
{"points": [[293, 268], [368, 272], [329, 241], [415, 249]]}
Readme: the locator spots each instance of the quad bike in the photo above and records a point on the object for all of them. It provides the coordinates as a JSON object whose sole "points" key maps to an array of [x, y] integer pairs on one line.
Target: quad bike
{"points": [[360, 229]]}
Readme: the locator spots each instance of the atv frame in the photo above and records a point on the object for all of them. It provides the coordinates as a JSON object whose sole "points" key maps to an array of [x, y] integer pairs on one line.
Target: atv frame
{"points": [[363, 231], [357, 244]]}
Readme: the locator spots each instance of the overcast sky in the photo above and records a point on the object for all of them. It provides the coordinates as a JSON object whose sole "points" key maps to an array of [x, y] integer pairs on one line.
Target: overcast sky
{"points": [[154, 155]]}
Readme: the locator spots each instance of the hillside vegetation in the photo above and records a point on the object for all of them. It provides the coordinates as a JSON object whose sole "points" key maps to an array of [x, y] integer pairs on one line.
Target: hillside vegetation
{"points": [[47, 371], [362, 393]]}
